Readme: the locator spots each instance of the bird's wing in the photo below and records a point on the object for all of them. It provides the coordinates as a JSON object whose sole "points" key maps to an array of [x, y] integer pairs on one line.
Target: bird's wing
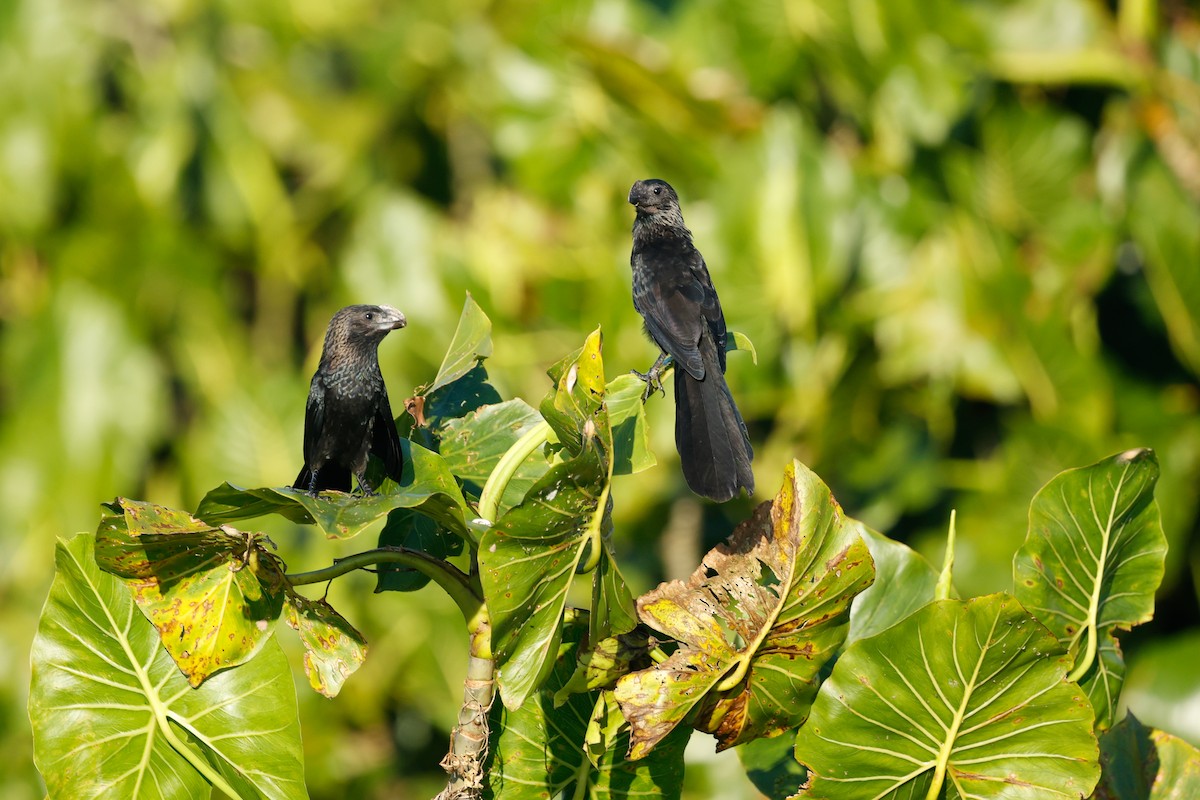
{"points": [[385, 440], [680, 304], [710, 306], [314, 417]]}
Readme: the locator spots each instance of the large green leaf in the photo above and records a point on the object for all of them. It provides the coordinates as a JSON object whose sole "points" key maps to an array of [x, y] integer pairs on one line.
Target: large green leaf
{"points": [[755, 622], [968, 697], [528, 558], [427, 486], [473, 444], [213, 594], [1141, 763], [545, 747], [113, 717], [1091, 563], [904, 582], [526, 562]]}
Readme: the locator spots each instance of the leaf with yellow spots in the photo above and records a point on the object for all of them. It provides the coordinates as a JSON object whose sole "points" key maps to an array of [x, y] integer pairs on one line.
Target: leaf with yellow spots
{"points": [[333, 649], [214, 594]]}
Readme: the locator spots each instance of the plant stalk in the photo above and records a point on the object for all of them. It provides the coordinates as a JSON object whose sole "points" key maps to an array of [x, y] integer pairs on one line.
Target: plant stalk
{"points": [[453, 581], [497, 482], [465, 764]]}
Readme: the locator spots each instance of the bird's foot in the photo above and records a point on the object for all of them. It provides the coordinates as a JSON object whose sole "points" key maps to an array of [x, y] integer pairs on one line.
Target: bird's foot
{"points": [[653, 376], [367, 489], [653, 381]]}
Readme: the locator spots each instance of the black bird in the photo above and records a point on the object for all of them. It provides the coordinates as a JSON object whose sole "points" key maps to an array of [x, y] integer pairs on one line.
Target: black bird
{"points": [[675, 296], [348, 414]]}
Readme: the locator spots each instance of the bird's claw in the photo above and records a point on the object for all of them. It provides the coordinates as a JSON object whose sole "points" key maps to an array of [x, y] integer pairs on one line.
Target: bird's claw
{"points": [[653, 381]]}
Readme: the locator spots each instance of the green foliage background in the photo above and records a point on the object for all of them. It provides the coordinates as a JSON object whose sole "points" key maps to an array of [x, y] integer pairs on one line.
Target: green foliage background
{"points": [[964, 238]]}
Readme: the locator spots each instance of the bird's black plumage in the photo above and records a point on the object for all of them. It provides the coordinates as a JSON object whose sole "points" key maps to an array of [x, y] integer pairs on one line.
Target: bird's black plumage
{"points": [[674, 294], [348, 413]]}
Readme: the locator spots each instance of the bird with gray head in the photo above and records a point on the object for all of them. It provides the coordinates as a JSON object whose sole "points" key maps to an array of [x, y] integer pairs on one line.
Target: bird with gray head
{"points": [[348, 416], [674, 294]]}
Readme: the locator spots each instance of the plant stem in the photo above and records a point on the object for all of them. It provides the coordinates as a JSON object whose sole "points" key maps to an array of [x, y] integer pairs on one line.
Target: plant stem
{"points": [[497, 482], [465, 762], [453, 581]]}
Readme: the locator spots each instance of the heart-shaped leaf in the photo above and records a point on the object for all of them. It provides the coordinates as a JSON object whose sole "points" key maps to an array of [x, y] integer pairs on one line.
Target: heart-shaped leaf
{"points": [[428, 486], [213, 594], [1091, 563], [755, 622], [966, 696], [113, 717]]}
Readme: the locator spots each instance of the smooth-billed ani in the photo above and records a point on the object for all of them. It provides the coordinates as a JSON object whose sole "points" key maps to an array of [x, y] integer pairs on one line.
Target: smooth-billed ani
{"points": [[348, 413], [675, 296]]}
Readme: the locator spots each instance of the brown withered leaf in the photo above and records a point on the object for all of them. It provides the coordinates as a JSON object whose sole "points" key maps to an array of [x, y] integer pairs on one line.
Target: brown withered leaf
{"points": [[755, 622]]}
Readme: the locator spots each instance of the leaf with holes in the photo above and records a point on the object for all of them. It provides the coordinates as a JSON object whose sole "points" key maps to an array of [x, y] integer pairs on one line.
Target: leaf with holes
{"points": [[113, 717], [968, 697], [1091, 563], [755, 622]]}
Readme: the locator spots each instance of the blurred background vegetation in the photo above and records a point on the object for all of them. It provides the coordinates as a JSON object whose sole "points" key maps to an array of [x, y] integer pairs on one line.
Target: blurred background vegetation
{"points": [[964, 237]]}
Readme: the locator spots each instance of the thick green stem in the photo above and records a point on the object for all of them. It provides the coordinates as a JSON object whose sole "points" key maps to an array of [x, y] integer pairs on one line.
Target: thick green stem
{"points": [[464, 764], [497, 482], [453, 581]]}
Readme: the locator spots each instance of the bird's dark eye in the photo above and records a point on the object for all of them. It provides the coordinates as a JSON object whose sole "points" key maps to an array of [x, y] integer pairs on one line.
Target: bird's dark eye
{"points": [[658, 190], [370, 315]]}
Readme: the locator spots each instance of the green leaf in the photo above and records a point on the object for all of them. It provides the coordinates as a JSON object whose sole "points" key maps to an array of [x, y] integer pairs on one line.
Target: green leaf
{"points": [[755, 622], [1141, 763], [472, 446], [968, 697], [627, 418], [602, 666], [573, 407], [113, 717], [904, 582], [471, 344], [333, 649], [526, 562], [428, 487], [736, 340], [771, 766], [542, 748], [213, 594], [406, 528], [1091, 563]]}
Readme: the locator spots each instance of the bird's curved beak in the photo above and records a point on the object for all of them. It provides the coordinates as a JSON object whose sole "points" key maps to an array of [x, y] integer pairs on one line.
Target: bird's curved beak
{"points": [[392, 319]]}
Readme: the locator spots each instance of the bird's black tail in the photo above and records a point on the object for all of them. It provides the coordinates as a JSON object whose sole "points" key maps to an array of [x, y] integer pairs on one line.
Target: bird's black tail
{"points": [[711, 437]]}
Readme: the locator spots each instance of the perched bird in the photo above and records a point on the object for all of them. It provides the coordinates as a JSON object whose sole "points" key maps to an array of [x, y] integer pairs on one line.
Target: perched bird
{"points": [[348, 414], [675, 296]]}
